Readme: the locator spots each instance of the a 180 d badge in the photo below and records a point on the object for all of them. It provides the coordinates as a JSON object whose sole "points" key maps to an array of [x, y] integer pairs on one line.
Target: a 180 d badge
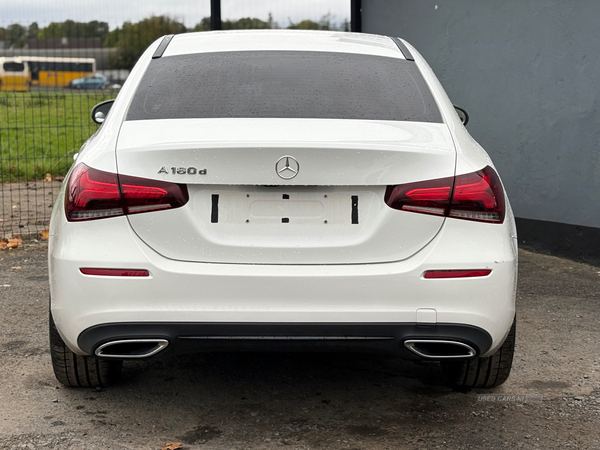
{"points": [[182, 170]]}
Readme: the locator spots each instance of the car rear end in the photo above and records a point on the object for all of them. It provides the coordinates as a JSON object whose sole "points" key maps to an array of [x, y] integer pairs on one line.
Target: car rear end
{"points": [[252, 193]]}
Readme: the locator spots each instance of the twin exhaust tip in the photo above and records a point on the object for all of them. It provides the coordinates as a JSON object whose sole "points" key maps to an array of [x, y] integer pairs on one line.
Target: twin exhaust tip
{"points": [[439, 349], [131, 348]]}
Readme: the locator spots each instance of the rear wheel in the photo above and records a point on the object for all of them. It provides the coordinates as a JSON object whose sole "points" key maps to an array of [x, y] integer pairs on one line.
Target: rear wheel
{"points": [[80, 371], [483, 372]]}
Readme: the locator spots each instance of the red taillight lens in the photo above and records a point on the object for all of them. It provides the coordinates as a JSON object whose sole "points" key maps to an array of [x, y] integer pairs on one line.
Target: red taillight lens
{"points": [[474, 196], [114, 272], [429, 197], [94, 194], [433, 274], [142, 195]]}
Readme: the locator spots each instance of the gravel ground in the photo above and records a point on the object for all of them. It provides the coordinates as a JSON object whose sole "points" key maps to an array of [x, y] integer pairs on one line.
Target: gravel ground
{"points": [[309, 401]]}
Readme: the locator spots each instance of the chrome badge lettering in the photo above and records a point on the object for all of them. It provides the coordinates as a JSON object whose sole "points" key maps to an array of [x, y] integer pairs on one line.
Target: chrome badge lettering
{"points": [[183, 170]]}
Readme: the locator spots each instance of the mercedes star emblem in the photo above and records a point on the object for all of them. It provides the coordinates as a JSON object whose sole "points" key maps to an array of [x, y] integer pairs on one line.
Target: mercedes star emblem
{"points": [[287, 167]]}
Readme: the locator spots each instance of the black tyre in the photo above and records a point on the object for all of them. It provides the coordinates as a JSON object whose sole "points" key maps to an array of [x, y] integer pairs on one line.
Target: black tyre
{"points": [[80, 371], [483, 372]]}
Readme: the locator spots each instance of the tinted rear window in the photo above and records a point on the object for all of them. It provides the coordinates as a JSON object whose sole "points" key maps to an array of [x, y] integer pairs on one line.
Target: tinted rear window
{"points": [[278, 84]]}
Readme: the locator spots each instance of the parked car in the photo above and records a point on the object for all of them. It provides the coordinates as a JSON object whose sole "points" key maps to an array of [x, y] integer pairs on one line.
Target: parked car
{"points": [[282, 190], [93, 81]]}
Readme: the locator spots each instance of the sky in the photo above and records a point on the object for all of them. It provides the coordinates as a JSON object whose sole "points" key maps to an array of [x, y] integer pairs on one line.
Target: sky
{"points": [[190, 12]]}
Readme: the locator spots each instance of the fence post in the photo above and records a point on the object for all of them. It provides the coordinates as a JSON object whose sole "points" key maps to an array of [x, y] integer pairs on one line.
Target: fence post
{"points": [[355, 16], [215, 14]]}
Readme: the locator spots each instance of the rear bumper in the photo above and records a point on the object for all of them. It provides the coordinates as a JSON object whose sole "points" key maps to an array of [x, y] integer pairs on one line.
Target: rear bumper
{"points": [[205, 295], [206, 337]]}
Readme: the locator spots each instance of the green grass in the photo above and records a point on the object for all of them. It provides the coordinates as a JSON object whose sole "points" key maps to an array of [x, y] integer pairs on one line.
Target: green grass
{"points": [[41, 131]]}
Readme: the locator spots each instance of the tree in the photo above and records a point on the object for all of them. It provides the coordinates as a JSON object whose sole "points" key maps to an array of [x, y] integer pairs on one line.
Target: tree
{"points": [[305, 25], [271, 22], [96, 29], [203, 25], [33, 30], [245, 23], [326, 23], [133, 38], [72, 29], [54, 30], [15, 35]]}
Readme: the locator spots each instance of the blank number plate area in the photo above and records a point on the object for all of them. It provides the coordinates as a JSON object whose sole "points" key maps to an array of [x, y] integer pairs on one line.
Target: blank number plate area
{"points": [[297, 224], [285, 207]]}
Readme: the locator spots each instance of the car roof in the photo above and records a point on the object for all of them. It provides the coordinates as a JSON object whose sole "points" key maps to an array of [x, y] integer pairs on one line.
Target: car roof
{"points": [[290, 40]]}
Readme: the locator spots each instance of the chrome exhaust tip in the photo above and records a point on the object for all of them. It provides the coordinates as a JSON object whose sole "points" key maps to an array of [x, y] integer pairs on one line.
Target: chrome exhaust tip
{"points": [[439, 349], [131, 348]]}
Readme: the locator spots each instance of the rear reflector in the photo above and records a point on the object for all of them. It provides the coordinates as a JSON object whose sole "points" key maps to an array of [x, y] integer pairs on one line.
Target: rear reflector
{"points": [[115, 272], [456, 273], [95, 194], [475, 196]]}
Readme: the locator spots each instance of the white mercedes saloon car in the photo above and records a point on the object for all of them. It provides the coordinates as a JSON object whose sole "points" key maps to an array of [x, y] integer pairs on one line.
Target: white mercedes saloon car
{"points": [[282, 191]]}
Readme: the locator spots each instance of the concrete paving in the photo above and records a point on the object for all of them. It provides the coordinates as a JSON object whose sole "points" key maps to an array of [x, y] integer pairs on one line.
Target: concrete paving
{"points": [[310, 401]]}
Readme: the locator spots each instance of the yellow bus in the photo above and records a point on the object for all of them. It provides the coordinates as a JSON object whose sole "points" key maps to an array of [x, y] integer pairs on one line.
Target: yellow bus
{"points": [[14, 74], [58, 72]]}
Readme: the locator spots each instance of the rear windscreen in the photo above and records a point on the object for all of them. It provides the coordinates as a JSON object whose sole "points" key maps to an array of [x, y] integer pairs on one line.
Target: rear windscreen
{"points": [[281, 84]]}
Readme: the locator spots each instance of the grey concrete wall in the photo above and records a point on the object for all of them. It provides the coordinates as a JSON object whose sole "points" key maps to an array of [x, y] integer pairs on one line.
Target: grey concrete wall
{"points": [[528, 73]]}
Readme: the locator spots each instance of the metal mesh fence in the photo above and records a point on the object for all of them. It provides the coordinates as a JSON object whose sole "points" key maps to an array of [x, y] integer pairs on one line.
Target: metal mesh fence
{"points": [[57, 62], [40, 131]]}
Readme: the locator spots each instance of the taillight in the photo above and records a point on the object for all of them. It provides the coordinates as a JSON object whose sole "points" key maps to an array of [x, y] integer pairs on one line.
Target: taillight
{"points": [[474, 196], [95, 194]]}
